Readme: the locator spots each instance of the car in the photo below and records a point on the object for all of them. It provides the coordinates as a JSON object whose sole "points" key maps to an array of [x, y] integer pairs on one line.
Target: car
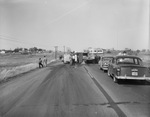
{"points": [[128, 67], [104, 62]]}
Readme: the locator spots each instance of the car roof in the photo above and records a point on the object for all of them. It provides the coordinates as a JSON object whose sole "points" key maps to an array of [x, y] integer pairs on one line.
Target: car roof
{"points": [[127, 56], [108, 56]]}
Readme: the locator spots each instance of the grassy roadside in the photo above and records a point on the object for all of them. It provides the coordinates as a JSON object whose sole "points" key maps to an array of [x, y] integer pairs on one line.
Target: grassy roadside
{"points": [[12, 65]]}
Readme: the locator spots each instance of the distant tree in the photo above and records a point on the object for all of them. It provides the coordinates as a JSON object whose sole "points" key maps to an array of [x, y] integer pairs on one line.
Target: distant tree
{"points": [[138, 51], [143, 50], [25, 49], [86, 51], [9, 51], [33, 49], [16, 50], [148, 50], [50, 51], [89, 48], [40, 49], [108, 51]]}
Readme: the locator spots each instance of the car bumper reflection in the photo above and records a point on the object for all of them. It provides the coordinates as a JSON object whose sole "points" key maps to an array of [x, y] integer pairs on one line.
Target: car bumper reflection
{"points": [[133, 78], [105, 68]]}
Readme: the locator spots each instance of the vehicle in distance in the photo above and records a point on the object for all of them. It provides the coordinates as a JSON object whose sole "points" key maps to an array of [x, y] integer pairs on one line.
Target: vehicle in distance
{"points": [[66, 58], [104, 62], [94, 54], [124, 67]]}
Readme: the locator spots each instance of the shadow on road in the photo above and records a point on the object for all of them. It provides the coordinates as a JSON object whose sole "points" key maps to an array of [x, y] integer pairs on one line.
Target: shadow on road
{"points": [[134, 82]]}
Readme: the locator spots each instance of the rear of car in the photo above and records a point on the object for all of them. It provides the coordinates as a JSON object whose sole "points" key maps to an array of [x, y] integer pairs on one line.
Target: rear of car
{"points": [[133, 72], [131, 68]]}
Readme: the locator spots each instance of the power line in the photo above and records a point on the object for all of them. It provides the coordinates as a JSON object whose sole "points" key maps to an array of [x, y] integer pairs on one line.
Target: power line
{"points": [[13, 39], [7, 38]]}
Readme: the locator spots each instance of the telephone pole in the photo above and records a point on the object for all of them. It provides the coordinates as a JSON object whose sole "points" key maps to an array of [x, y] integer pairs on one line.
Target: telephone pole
{"points": [[56, 49], [64, 49], [149, 26]]}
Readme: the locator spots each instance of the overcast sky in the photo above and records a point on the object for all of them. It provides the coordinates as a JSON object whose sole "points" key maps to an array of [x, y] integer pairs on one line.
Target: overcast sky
{"points": [[77, 24]]}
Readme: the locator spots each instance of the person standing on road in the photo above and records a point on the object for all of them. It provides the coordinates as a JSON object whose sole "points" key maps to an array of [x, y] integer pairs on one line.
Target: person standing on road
{"points": [[45, 61], [40, 63], [73, 59]]}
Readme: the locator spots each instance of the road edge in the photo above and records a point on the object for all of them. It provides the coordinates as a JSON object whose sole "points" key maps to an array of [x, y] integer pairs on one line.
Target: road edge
{"points": [[7, 78], [112, 103]]}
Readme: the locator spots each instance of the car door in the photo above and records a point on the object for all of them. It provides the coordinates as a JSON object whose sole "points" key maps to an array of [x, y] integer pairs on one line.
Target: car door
{"points": [[114, 67], [110, 67], [100, 62]]}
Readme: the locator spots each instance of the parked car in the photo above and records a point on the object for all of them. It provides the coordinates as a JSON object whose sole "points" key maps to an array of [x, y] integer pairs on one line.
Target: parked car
{"points": [[104, 62], [124, 67]]}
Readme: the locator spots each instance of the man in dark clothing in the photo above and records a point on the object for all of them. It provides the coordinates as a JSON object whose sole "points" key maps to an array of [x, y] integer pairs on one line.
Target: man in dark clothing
{"points": [[40, 63]]}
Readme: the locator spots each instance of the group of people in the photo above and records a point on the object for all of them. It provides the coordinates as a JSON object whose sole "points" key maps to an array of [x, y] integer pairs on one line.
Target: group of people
{"points": [[42, 62], [74, 59]]}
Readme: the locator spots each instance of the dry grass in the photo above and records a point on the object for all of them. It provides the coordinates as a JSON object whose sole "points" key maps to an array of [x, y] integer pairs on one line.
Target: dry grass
{"points": [[14, 64], [8, 61]]}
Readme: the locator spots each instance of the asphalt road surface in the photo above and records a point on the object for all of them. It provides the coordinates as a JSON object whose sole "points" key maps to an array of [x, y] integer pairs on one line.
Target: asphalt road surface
{"points": [[60, 90]]}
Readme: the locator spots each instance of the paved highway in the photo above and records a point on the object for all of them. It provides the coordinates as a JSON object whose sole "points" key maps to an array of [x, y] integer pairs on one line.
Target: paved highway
{"points": [[61, 90]]}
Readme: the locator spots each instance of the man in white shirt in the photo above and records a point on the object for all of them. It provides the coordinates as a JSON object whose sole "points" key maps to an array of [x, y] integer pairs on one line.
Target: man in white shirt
{"points": [[76, 59]]}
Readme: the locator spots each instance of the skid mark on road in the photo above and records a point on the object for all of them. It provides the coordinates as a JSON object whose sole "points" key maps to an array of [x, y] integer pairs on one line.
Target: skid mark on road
{"points": [[113, 105]]}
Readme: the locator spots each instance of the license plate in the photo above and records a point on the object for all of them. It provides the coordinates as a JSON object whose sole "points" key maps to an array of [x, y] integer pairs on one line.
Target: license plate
{"points": [[134, 73]]}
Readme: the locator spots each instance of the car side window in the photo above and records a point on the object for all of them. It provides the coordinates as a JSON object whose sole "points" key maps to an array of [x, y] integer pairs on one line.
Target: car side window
{"points": [[140, 62], [113, 60], [136, 61]]}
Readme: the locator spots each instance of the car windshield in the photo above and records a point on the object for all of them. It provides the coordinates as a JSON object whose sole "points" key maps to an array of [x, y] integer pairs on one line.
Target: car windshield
{"points": [[135, 61]]}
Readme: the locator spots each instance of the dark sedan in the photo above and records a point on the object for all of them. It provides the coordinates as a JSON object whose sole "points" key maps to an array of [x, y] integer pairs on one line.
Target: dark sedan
{"points": [[124, 67]]}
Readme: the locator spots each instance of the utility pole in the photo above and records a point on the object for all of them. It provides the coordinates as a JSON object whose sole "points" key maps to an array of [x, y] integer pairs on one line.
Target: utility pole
{"points": [[64, 49], [56, 49], [149, 26]]}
